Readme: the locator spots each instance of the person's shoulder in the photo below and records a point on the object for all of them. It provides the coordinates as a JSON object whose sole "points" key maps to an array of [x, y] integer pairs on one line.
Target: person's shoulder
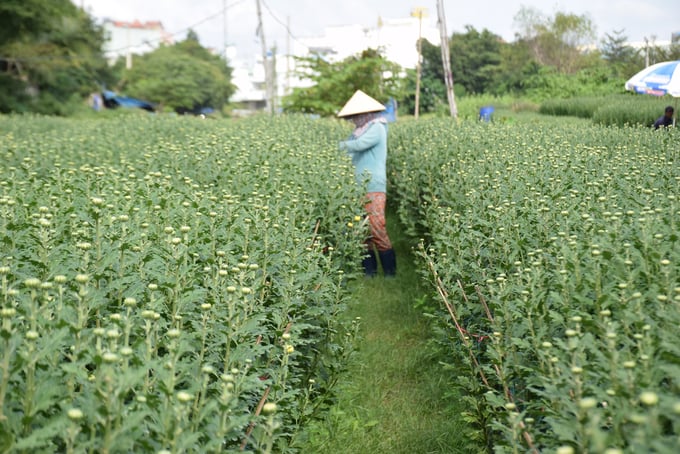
{"points": [[378, 125]]}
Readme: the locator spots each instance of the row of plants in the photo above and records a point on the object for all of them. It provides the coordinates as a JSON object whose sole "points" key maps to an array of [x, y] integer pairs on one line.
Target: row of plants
{"points": [[554, 258], [611, 110], [172, 284]]}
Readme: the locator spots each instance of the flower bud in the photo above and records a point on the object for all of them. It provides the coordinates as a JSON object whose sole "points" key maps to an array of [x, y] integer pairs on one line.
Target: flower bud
{"points": [[74, 414], [184, 397], [649, 398], [269, 408]]}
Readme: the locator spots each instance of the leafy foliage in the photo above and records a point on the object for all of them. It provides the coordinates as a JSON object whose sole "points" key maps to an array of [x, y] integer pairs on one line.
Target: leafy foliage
{"points": [[610, 110], [432, 94], [181, 77], [556, 41], [334, 83], [623, 60], [475, 59], [165, 280], [50, 56], [548, 83], [554, 252]]}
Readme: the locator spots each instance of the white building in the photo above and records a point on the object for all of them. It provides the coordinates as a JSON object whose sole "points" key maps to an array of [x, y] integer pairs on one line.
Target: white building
{"points": [[396, 38], [127, 38]]}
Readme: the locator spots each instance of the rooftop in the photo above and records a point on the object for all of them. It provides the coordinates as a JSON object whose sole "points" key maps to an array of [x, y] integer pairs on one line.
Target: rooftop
{"points": [[148, 25]]}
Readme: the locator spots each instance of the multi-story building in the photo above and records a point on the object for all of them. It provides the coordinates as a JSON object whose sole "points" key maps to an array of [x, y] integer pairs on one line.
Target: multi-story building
{"points": [[128, 38], [396, 38]]}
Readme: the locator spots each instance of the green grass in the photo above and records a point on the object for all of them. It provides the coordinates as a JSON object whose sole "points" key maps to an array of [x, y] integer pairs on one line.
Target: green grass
{"points": [[396, 397]]}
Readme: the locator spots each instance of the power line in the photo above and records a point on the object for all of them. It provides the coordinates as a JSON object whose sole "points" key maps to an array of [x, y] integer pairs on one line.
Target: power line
{"points": [[49, 58], [284, 25], [184, 30], [121, 49]]}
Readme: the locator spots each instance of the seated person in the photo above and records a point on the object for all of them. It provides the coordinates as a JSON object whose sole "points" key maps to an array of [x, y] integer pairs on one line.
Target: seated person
{"points": [[666, 119]]}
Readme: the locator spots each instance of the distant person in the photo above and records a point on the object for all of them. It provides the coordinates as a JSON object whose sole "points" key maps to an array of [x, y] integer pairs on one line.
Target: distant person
{"points": [[666, 119], [96, 101], [367, 146]]}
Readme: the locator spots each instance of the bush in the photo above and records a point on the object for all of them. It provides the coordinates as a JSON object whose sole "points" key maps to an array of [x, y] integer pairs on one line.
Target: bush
{"points": [[468, 106], [553, 249], [612, 110], [582, 107], [636, 110], [161, 278]]}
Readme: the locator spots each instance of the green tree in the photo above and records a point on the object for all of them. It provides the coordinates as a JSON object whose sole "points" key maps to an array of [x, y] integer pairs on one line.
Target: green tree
{"points": [[475, 59], [50, 56], [181, 77], [432, 94], [621, 58], [334, 83], [516, 66], [477, 63], [663, 53], [557, 41], [432, 86]]}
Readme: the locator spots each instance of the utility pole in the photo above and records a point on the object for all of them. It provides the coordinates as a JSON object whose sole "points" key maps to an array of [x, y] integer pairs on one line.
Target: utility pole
{"points": [[288, 54], [224, 18], [419, 12], [267, 73], [646, 52], [273, 77], [446, 60], [128, 54], [651, 53]]}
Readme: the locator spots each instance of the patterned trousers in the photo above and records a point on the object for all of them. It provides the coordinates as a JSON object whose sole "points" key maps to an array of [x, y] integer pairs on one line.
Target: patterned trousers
{"points": [[375, 208]]}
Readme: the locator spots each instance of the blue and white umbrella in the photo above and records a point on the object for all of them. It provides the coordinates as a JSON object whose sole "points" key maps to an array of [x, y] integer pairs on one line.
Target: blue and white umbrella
{"points": [[659, 80]]}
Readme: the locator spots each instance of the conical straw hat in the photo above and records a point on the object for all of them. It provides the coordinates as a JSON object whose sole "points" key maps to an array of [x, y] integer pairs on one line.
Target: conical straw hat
{"points": [[359, 103]]}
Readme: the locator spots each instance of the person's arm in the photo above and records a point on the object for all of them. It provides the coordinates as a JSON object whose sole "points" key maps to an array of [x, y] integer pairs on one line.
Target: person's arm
{"points": [[367, 140]]}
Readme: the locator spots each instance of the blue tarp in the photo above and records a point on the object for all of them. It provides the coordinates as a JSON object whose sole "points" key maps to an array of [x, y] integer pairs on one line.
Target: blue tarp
{"points": [[113, 100], [390, 112], [485, 113]]}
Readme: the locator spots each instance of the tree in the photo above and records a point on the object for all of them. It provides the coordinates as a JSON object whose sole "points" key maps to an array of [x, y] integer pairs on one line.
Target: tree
{"points": [[621, 58], [559, 41], [50, 56], [671, 52], [516, 66], [476, 62], [335, 83], [548, 83], [432, 83], [475, 59], [432, 93], [182, 77]]}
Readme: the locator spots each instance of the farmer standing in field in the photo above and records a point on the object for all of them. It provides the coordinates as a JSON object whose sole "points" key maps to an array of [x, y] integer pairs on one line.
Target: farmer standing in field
{"points": [[367, 146]]}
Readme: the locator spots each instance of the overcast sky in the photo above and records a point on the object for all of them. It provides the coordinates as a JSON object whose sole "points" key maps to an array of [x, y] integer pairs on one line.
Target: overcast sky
{"points": [[637, 19]]}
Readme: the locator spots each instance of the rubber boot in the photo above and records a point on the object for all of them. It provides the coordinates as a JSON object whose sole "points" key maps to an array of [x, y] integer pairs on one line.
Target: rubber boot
{"points": [[370, 263], [388, 259]]}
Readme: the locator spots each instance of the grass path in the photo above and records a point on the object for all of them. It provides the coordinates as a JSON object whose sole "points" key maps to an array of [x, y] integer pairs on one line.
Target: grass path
{"points": [[395, 399]]}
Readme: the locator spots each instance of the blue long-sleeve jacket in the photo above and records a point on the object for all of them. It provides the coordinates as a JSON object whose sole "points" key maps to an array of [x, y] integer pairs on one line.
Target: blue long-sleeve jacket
{"points": [[369, 156]]}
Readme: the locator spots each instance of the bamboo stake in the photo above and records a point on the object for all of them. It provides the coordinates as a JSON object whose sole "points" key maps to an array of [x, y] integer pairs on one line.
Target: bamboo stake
{"points": [[461, 331], [263, 400], [506, 390], [465, 337]]}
